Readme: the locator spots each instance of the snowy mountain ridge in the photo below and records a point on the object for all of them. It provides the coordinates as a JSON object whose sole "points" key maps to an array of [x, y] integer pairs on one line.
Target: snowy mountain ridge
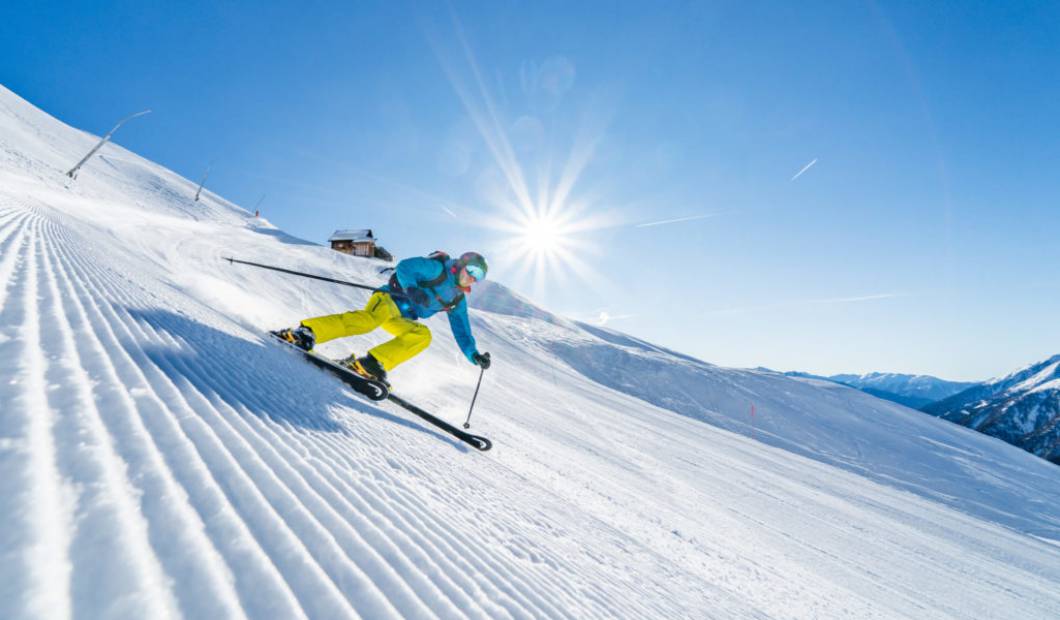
{"points": [[918, 386], [914, 391], [1021, 408], [160, 458]]}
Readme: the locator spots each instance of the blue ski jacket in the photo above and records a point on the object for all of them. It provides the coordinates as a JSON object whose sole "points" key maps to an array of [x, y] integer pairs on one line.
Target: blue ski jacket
{"points": [[416, 273]]}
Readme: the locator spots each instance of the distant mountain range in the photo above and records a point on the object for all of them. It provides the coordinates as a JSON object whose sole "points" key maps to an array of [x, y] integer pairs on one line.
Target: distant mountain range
{"points": [[1022, 408], [920, 388], [914, 391]]}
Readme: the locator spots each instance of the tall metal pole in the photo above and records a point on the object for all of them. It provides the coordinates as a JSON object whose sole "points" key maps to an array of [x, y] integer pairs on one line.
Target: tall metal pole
{"points": [[203, 182], [73, 171]]}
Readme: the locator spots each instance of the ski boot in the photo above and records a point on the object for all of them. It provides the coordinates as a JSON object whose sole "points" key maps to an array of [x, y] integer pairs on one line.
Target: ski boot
{"points": [[367, 367], [301, 337]]}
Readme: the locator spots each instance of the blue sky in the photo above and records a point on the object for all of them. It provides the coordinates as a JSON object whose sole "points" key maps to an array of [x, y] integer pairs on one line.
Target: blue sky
{"points": [[922, 239]]}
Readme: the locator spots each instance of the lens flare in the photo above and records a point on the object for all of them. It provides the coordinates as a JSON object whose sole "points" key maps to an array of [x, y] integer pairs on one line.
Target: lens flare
{"points": [[546, 231], [542, 236], [547, 246]]}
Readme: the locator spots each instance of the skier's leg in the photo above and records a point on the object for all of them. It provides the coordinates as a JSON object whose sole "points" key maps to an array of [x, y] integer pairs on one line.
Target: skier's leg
{"points": [[410, 339], [379, 309]]}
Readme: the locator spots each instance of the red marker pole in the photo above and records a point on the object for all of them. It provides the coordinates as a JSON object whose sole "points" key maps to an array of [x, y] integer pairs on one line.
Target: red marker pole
{"points": [[754, 431]]}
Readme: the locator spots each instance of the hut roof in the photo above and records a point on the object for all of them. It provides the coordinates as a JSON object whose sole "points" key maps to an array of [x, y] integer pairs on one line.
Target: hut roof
{"points": [[352, 234]]}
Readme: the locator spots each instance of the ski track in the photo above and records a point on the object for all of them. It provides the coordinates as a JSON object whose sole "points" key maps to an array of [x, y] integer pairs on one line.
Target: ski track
{"points": [[177, 530], [128, 580], [38, 540], [315, 593], [232, 510]]}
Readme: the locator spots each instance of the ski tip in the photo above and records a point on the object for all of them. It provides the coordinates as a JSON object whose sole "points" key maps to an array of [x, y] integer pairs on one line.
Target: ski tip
{"points": [[376, 391], [481, 443]]}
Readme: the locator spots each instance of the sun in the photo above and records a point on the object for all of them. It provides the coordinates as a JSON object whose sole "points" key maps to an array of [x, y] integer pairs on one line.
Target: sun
{"points": [[548, 243], [542, 236]]}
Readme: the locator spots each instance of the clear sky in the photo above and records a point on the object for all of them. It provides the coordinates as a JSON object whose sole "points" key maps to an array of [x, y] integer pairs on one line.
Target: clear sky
{"points": [[824, 186]]}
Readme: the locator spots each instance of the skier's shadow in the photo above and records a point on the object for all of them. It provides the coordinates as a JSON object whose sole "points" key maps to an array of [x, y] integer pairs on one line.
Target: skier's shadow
{"points": [[253, 376]]}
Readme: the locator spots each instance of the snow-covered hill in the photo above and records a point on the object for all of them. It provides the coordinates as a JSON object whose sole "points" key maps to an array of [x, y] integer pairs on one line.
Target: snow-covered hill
{"points": [[159, 458], [1022, 408]]}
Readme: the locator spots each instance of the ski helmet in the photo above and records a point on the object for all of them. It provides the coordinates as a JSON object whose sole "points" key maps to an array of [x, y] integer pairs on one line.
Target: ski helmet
{"points": [[475, 264]]}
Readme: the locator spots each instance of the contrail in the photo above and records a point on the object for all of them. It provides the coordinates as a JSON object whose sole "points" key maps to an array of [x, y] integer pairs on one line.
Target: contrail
{"points": [[804, 169], [447, 210], [675, 220], [848, 300]]}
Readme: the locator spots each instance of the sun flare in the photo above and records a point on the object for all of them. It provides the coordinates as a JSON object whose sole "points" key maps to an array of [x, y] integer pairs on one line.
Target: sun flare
{"points": [[549, 243], [547, 225], [542, 236]]}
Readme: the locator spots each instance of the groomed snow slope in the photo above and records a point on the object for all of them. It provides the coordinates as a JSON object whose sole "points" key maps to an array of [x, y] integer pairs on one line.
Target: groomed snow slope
{"points": [[159, 458]]}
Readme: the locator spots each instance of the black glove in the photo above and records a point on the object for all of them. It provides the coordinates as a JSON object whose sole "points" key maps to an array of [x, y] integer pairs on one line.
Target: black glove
{"points": [[482, 359], [418, 296]]}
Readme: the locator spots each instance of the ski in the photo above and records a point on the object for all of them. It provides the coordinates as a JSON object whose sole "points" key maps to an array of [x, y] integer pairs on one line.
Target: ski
{"points": [[475, 441], [373, 390], [378, 391]]}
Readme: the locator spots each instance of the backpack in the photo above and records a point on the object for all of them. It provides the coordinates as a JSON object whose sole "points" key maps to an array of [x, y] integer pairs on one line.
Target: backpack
{"points": [[442, 258], [429, 285]]}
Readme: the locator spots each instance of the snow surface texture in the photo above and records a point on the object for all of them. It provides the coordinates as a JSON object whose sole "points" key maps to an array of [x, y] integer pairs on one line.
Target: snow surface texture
{"points": [[159, 458], [1022, 408]]}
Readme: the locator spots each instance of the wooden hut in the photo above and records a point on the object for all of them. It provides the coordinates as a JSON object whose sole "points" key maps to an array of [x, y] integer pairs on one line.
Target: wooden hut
{"points": [[355, 242]]}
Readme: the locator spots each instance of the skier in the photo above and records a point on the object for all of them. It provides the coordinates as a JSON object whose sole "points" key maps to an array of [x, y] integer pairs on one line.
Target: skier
{"points": [[419, 288]]}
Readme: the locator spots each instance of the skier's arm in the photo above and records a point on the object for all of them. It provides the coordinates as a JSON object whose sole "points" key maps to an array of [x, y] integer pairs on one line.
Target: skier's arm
{"points": [[461, 327], [413, 270]]}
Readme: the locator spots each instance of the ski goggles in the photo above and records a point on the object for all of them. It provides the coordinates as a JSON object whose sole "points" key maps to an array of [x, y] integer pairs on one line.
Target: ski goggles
{"points": [[476, 272]]}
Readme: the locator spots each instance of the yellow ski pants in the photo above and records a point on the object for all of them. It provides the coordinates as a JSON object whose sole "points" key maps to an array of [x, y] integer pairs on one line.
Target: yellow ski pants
{"points": [[410, 337]]}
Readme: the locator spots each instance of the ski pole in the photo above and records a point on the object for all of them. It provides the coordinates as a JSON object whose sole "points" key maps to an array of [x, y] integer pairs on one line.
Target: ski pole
{"points": [[467, 423], [314, 277]]}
